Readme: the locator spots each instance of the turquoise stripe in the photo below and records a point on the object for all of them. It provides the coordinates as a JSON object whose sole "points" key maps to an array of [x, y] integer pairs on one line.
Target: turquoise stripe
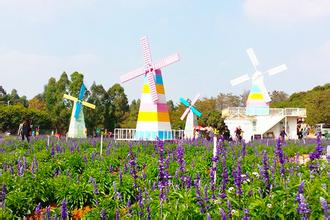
{"points": [[152, 135], [255, 89], [158, 79], [262, 110]]}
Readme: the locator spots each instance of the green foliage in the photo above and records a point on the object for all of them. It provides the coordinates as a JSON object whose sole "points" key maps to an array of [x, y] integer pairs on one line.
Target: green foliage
{"points": [[11, 116], [72, 170], [316, 101]]}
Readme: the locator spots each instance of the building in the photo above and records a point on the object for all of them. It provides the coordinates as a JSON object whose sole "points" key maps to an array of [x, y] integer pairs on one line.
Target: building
{"points": [[265, 126]]}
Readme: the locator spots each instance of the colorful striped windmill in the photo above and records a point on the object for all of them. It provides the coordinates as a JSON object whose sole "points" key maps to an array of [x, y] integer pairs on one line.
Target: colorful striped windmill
{"points": [[77, 127], [153, 119], [258, 99], [192, 113]]}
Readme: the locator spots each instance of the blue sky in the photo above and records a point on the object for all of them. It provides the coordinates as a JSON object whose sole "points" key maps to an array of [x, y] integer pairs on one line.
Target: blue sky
{"points": [[100, 38]]}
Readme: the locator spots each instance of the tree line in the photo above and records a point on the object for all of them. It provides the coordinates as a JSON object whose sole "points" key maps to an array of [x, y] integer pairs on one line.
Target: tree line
{"points": [[49, 111]]}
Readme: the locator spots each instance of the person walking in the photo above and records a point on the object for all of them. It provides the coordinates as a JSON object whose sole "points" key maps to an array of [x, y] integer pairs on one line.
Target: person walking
{"points": [[26, 130], [238, 133], [282, 135]]}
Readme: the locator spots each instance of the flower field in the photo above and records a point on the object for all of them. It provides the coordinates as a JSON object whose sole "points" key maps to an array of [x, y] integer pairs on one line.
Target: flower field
{"points": [[139, 180]]}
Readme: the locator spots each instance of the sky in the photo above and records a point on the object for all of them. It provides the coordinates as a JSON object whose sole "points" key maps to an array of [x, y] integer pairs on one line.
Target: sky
{"points": [[40, 39]]}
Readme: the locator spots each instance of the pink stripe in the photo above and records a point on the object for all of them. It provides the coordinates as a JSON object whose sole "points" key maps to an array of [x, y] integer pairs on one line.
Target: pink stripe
{"points": [[159, 107]]}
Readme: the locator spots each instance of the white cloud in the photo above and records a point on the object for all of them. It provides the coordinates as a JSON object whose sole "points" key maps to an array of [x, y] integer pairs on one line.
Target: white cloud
{"points": [[28, 73], [287, 11]]}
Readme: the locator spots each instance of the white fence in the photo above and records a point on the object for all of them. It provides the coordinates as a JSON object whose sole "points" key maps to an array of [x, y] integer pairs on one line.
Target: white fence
{"points": [[237, 112], [130, 134]]}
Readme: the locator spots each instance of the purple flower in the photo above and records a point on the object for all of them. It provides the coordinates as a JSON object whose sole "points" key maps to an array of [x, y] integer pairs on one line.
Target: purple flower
{"points": [[229, 208], [129, 206], [223, 214], [117, 215], [238, 178], [3, 191], [246, 214], [48, 215], [102, 216], [265, 171], [19, 167], [208, 216], [64, 210], [280, 154], [300, 191], [38, 208], [318, 149], [93, 181], [303, 209], [324, 206]]}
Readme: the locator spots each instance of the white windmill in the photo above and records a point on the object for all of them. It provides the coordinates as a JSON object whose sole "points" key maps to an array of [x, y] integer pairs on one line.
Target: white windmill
{"points": [[258, 99], [192, 113]]}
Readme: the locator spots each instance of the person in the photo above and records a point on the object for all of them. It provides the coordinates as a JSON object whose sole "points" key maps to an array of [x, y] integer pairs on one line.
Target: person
{"points": [[26, 130], [238, 133], [20, 129], [226, 134], [283, 134]]}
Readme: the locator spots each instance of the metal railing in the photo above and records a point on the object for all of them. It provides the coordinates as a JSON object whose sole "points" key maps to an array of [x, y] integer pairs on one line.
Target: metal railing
{"points": [[238, 112], [127, 134]]}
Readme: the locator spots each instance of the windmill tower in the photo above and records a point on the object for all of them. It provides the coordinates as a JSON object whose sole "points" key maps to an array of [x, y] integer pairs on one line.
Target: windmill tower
{"points": [[153, 118], [258, 99], [77, 127], [191, 113]]}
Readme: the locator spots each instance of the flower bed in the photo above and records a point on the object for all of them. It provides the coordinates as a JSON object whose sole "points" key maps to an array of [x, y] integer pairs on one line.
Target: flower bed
{"points": [[165, 181]]}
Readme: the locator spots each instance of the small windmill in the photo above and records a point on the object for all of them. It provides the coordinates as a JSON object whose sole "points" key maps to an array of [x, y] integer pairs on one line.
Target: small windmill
{"points": [[258, 99], [153, 119], [77, 127], [191, 113]]}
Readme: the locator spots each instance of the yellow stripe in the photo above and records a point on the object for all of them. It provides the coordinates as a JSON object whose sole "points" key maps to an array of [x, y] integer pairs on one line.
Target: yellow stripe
{"points": [[154, 116], [256, 96], [159, 88]]}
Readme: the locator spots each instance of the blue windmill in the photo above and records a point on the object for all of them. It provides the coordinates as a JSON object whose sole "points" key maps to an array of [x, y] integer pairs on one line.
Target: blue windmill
{"points": [[191, 113], [77, 124]]}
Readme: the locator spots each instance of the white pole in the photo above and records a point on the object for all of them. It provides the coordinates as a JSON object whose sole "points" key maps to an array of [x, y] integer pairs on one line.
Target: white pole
{"points": [[328, 151], [48, 140], [101, 145], [214, 155]]}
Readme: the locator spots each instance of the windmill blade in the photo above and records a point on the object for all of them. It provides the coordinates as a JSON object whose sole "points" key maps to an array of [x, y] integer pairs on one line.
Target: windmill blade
{"points": [[277, 69], [132, 75], [152, 86], [253, 57], [185, 114], [70, 97], [146, 50], [196, 112], [89, 105], [195, 99], [239, 80], [82, 91], [167, 61], [78, 109], [185, 102]]}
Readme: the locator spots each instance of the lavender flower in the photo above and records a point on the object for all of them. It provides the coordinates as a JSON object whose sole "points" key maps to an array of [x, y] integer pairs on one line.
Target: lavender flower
{"points": [[300, 191], [230, 208], [48, 215], [117, 215], [64, 210], [208, 216], [223, 214], [246, 214], [19, 167], [280, 154], [102, 216], [303, 209], [38, 209], [130, 211], [324, 206], [238, 178], [318, 149], [265, 171]]}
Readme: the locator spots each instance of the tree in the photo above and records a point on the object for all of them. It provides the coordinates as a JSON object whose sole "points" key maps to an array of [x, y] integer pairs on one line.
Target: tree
{"points": [[118, 106], [279, 96], [225, 100]]}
